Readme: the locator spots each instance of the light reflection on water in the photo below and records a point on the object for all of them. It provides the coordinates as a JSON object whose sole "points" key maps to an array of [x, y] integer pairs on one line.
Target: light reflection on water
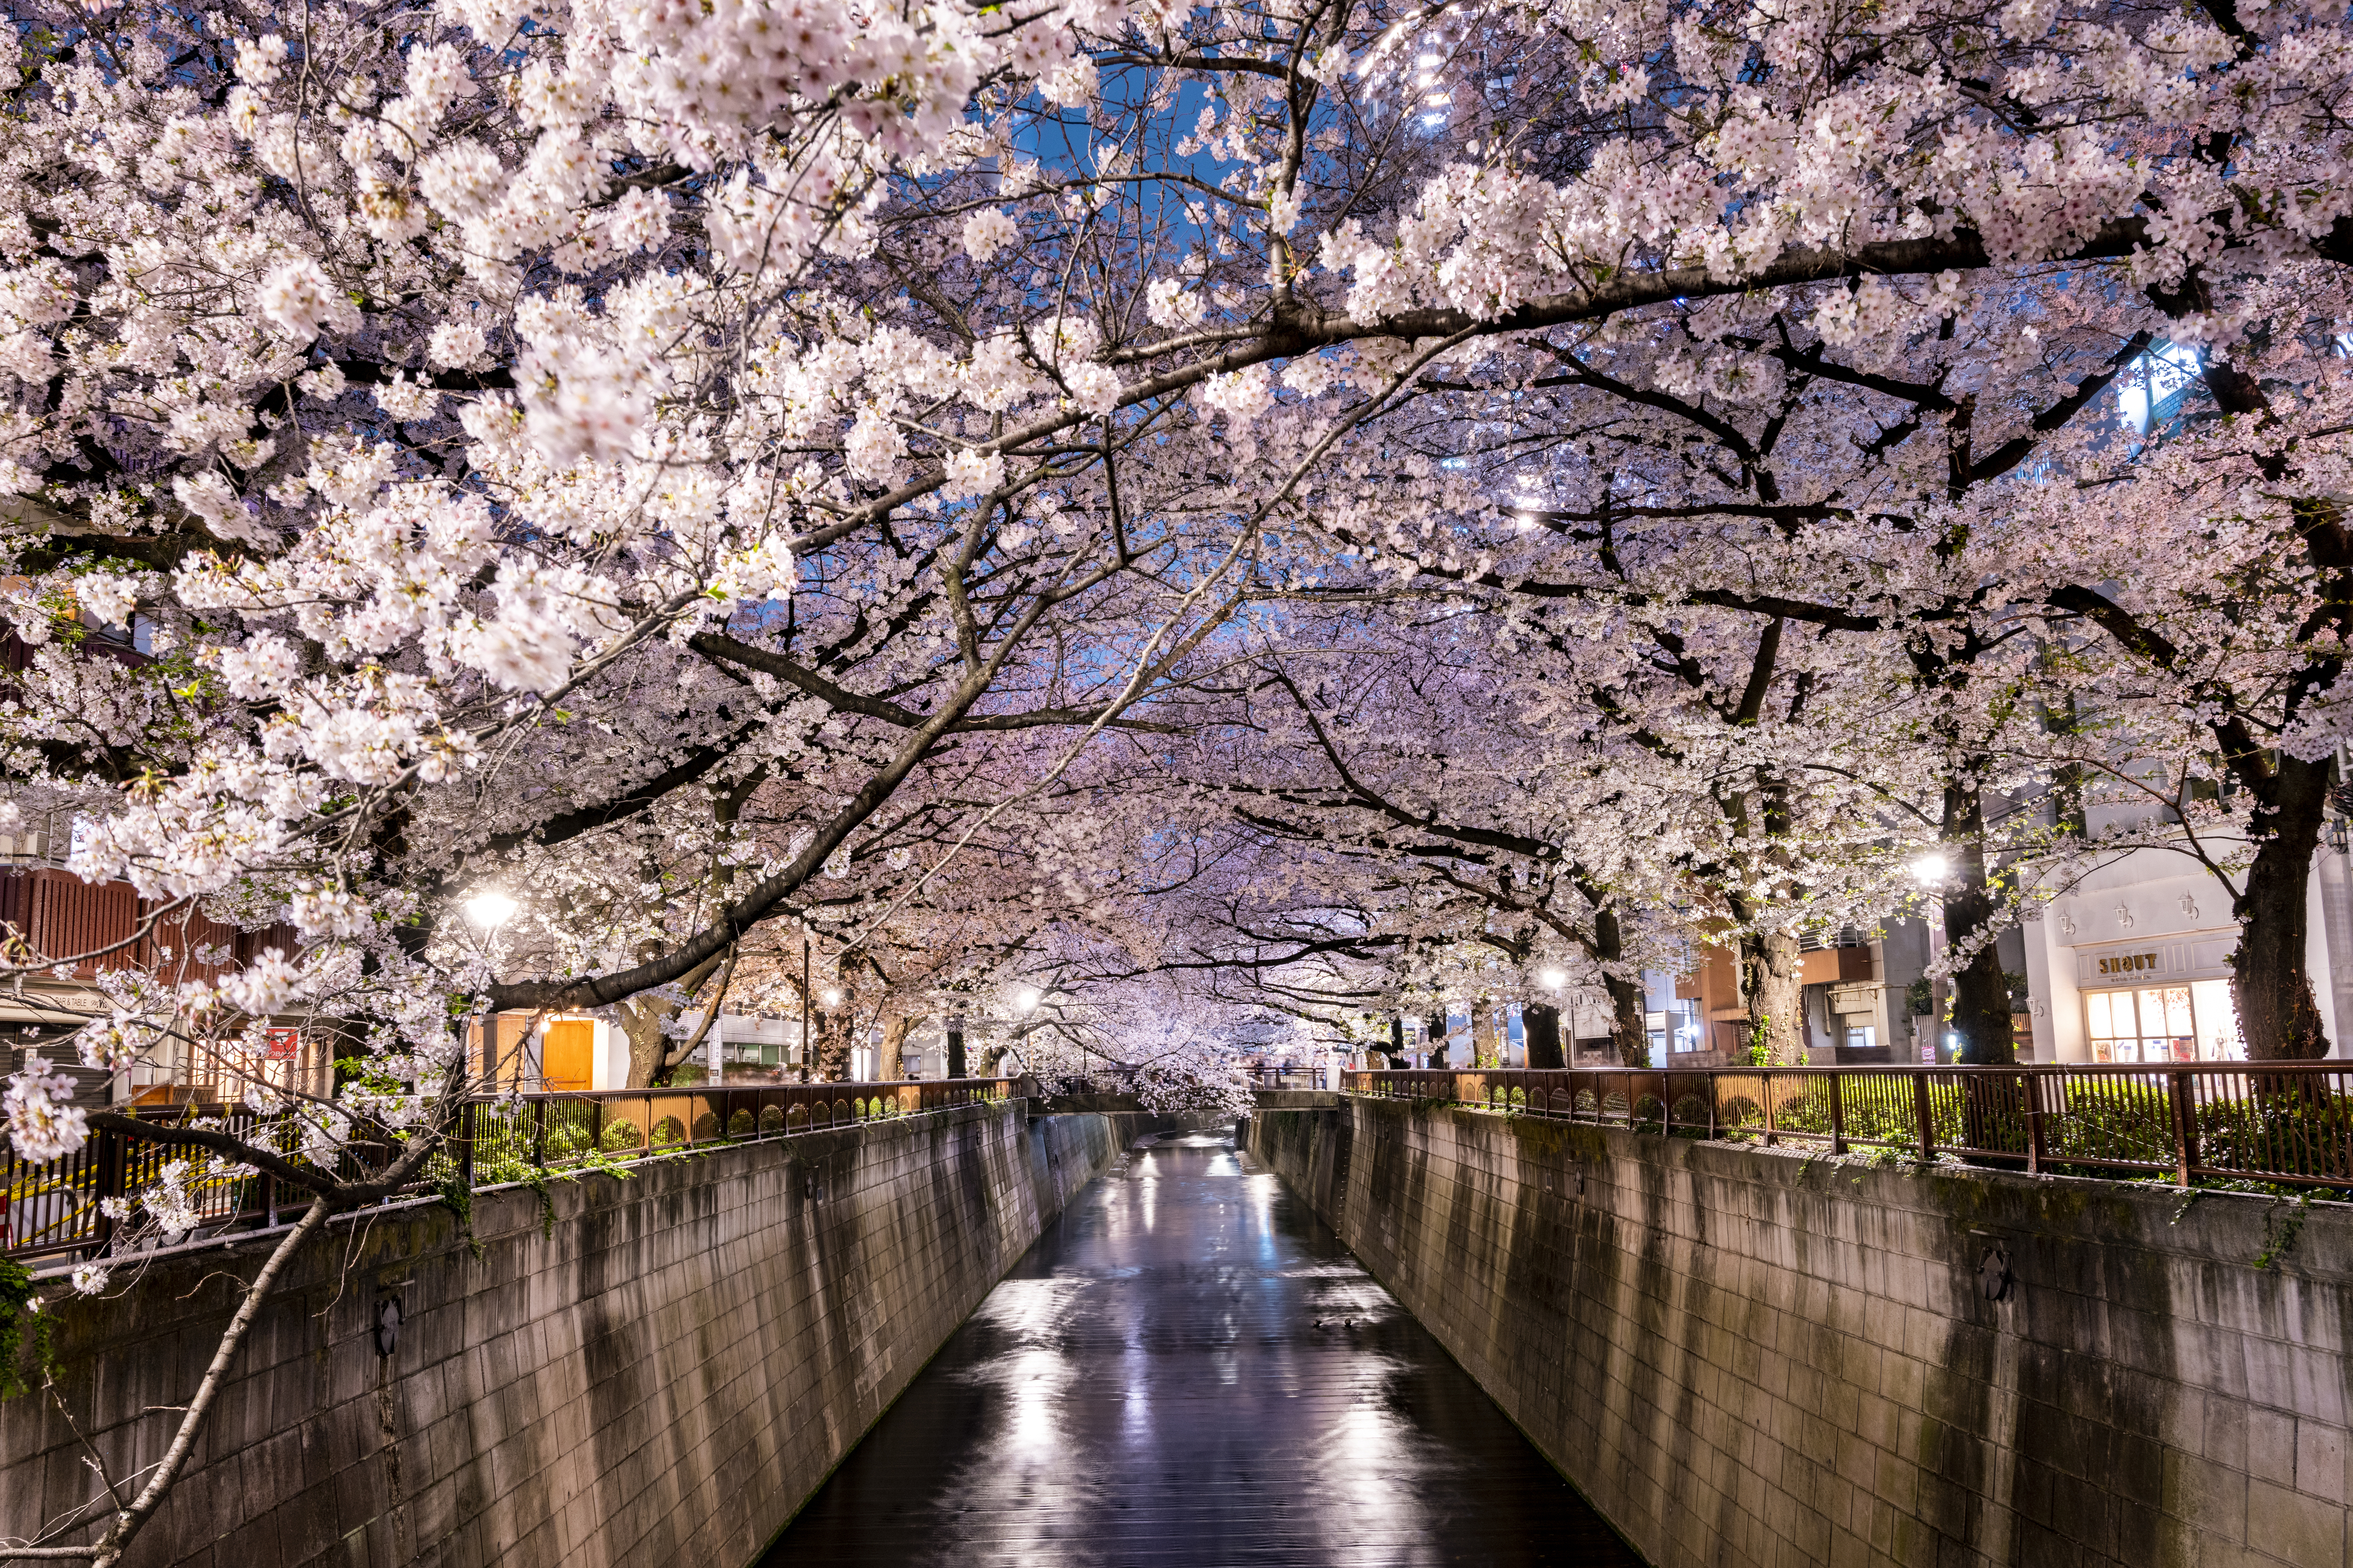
{"points": [[1150, 1384]]}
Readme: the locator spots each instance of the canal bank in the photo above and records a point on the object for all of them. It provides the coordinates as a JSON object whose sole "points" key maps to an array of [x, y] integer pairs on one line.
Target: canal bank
{"points": [[651, 1367], [1752, 1357], [1189, 1368]]}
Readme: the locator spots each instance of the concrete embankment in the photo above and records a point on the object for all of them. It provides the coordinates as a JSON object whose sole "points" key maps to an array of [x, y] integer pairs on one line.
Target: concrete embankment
{"points": [[1743, 1357], [649, 1370]]}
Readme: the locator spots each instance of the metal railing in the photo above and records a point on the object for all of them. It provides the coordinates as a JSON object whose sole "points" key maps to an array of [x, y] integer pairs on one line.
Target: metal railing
{"points": [[2289, 1122], [59, 1208], [1290, 1077]]}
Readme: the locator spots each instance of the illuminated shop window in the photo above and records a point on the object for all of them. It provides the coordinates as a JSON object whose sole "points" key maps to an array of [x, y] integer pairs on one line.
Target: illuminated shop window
{"points": [[2190, 1022]]}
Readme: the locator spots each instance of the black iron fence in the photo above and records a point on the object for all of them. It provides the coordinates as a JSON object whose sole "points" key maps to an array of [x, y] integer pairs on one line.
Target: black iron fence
{"points": [[2290, 1122], [70, 1206]]}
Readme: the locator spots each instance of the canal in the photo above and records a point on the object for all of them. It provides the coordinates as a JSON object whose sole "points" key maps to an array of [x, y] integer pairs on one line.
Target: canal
{"points": [[1188, 1369]]}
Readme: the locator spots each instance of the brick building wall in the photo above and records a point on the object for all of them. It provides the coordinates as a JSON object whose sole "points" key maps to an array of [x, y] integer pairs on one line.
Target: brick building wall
{"points": [[1743, 1357]]}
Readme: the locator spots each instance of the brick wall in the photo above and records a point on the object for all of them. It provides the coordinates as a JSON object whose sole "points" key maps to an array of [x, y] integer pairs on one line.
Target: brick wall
{"points": [[1743, 1357], [658, 1373]]}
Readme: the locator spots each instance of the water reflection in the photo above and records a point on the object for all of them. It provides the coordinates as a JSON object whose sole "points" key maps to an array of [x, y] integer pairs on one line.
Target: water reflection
{"points": [[1189, 1369]]}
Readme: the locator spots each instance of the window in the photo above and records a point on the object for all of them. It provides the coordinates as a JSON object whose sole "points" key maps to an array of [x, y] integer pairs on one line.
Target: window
{"points": [[1684, 1027], [2190, 1022], [1861, 1037]]}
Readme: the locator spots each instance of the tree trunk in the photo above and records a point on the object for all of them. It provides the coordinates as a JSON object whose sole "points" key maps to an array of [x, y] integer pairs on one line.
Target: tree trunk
{"points": [[2278, 1017], [1541, 1020], [1627, 1031], [832, 1048], [642, 1023], [956, 1065], [894, 1037], [1980, 990], [1435, 1025], [1627, 1028], [1769, 986]]}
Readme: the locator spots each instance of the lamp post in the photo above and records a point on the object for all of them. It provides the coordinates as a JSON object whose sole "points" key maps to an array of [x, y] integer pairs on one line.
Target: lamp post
{"points": [[490, 909]]}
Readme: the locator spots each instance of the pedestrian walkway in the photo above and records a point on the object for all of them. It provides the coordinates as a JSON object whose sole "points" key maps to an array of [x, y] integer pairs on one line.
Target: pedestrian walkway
{"points": [[1189, 1369]]}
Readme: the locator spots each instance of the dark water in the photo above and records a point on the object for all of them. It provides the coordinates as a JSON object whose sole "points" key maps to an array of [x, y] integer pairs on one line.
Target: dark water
{"points": [[1149, 1386]]}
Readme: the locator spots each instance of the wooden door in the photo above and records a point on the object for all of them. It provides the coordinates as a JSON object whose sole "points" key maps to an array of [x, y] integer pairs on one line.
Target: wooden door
{"points": [[567, 1055]]}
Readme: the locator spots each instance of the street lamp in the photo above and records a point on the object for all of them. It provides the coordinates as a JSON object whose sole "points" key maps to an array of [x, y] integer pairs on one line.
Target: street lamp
{"points": [[1027, 998], [1931, 869], [1553, 979], [489, 909]]}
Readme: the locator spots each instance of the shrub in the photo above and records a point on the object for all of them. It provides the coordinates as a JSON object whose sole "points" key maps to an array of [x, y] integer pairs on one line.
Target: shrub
{"points": [[621, 1133], [568, 1141], [669, 1130], [1735, 1111], [2297, 1129], [739, 1124], [687, 1074], [706, 1127], [772, 1119]]}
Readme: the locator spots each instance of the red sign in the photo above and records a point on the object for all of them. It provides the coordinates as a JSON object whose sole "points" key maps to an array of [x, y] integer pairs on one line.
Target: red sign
{"points": [[283, 1044]]}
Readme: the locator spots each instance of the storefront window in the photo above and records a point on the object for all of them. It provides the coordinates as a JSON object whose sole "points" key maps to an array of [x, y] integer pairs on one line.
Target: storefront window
{"points": [[2183, 1023]]}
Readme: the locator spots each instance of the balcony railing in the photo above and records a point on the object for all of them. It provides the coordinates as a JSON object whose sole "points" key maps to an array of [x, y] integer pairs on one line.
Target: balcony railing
{"points": [[58, 1209], [2285, 1122]]}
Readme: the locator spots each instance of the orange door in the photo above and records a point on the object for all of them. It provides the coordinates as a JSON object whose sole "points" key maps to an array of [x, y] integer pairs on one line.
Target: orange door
{"points": [[567, 1055]]}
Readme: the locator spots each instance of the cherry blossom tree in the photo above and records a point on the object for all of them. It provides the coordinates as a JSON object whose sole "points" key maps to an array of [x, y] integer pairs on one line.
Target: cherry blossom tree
{"points": [[660, 465]]}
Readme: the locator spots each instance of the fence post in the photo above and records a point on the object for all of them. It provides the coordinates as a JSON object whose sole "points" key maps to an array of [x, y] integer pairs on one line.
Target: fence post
{"points": [[539, 1134], [1765, 1093], [1925, 1112], [2033, 1123], [108, 1181], [465, 1145], [1838, 1113], [2185, 1129]]}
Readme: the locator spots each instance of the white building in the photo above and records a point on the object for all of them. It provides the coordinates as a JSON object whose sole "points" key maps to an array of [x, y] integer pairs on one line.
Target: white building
{"points": [[2133, 964]]}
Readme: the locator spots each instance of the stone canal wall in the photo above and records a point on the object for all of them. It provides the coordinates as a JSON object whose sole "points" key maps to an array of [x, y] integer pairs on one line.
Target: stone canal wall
{"points": [[651, 1371], [1745, 1357]]}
